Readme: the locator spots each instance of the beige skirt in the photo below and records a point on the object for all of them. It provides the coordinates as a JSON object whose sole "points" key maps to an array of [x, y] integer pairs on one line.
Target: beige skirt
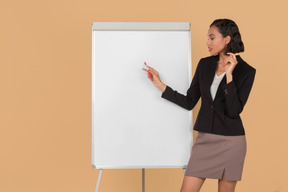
{"points": [[211, 154]]}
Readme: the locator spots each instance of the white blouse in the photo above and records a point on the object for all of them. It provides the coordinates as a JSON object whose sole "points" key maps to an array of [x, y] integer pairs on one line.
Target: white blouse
{"points": [[215, 84]]}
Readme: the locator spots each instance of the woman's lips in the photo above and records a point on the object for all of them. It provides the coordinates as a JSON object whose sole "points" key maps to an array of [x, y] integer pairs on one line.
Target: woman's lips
{"points": [[209, 49]]}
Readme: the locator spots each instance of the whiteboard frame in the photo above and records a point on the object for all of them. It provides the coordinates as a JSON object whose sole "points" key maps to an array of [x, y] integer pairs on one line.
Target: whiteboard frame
{"points": [[138, 26]]}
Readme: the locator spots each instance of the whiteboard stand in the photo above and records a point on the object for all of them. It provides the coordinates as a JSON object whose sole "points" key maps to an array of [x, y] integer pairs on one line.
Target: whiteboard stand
{"points": [[100, 174], [184, 170], [120, 48], [98, 180], [143, 179]]}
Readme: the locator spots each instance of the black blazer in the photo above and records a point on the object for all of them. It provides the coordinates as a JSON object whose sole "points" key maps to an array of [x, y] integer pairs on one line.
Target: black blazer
{"points": [[222, 115]]}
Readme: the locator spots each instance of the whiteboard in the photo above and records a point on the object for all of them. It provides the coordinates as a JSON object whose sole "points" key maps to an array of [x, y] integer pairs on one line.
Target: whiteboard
{"points": [[132, 126]]}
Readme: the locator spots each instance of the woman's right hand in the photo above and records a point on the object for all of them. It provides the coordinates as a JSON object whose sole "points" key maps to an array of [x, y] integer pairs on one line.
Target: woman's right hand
{"points": [[155, 79]]}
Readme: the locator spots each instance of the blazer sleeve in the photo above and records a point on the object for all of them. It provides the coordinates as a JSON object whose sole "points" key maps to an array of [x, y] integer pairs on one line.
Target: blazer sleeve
{"points": [[192, 96], [235, 99]]}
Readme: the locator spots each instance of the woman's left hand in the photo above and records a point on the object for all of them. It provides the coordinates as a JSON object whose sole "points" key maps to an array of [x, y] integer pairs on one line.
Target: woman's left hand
{"points": [[230, 63]]}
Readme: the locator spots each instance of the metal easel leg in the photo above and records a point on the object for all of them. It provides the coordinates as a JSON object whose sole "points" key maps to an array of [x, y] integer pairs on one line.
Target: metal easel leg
{"points": [[184, 170], [143, 180], [100, 174], [98, 180]]}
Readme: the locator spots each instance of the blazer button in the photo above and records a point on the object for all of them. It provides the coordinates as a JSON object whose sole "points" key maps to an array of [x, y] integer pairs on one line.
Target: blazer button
{"points": [[211, 106], [226, 92]]}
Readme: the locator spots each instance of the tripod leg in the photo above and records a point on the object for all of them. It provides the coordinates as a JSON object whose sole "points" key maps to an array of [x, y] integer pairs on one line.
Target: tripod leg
{"points": [[98, 180], [143, 180]]}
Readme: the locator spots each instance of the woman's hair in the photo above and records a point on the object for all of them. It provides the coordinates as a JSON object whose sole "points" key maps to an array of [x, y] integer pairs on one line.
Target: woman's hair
{"points": [[229, 27]]}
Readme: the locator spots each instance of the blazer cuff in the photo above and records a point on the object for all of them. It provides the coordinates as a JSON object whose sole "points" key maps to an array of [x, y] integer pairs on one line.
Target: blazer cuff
{"points": [[229, 88], [167, 92]]}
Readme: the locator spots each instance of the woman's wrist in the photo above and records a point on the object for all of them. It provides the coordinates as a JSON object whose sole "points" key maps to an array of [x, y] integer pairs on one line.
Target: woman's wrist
{"points": [[162, 87], [229, 78]]}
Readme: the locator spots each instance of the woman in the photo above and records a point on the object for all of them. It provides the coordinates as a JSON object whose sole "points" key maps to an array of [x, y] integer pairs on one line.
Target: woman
{"points": [[223, 81]]}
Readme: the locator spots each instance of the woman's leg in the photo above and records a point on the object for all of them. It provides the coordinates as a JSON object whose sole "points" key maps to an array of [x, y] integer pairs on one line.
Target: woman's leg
{"points": [[226, 186], [192, 184]]}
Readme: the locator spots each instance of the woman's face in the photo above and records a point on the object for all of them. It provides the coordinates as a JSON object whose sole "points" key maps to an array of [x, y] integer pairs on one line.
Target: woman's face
{"points": [[216, 43]]}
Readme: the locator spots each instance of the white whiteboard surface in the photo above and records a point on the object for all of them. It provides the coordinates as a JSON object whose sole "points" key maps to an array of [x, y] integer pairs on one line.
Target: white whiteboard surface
{"points": [[132, 126]]}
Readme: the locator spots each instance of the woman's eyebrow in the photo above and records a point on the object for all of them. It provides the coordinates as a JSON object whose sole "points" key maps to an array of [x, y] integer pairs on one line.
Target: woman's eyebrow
{"points": [[211, 34]]}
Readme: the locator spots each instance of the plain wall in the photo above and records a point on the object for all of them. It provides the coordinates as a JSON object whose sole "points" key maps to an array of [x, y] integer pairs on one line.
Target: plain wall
{"points": [[45, 80]]}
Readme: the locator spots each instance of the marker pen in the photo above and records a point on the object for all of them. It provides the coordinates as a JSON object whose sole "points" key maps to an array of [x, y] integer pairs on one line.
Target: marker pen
{"points": [[148, 69]]}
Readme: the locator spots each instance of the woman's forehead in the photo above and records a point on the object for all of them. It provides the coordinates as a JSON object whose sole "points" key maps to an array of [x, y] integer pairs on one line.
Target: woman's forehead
{"points": [[212, 31]]}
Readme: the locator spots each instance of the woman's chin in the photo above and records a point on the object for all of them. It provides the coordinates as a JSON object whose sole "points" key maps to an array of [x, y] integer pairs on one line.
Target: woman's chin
{"points": [[212, 53]]}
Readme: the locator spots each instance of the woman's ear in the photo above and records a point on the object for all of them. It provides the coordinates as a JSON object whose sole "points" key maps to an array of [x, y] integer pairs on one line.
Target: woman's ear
{"points": [[227, 39]]}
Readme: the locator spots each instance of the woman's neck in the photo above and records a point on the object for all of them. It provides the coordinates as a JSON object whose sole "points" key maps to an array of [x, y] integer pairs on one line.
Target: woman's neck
{"points": [[222, 57]]}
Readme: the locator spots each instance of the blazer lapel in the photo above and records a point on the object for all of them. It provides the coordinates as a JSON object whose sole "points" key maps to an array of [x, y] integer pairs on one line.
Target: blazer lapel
{"points": [[223, 81]]}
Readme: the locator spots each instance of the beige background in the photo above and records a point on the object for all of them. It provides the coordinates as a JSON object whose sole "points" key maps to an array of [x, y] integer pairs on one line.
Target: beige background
{"points": [[45, 109]]}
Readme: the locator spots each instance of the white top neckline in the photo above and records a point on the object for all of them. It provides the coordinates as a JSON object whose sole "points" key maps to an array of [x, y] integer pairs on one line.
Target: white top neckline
{"points": [[220, 75], [215, 84]]}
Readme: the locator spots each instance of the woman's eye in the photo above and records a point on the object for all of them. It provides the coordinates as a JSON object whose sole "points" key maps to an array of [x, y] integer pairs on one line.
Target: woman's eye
{"points": [[212, 38]]}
